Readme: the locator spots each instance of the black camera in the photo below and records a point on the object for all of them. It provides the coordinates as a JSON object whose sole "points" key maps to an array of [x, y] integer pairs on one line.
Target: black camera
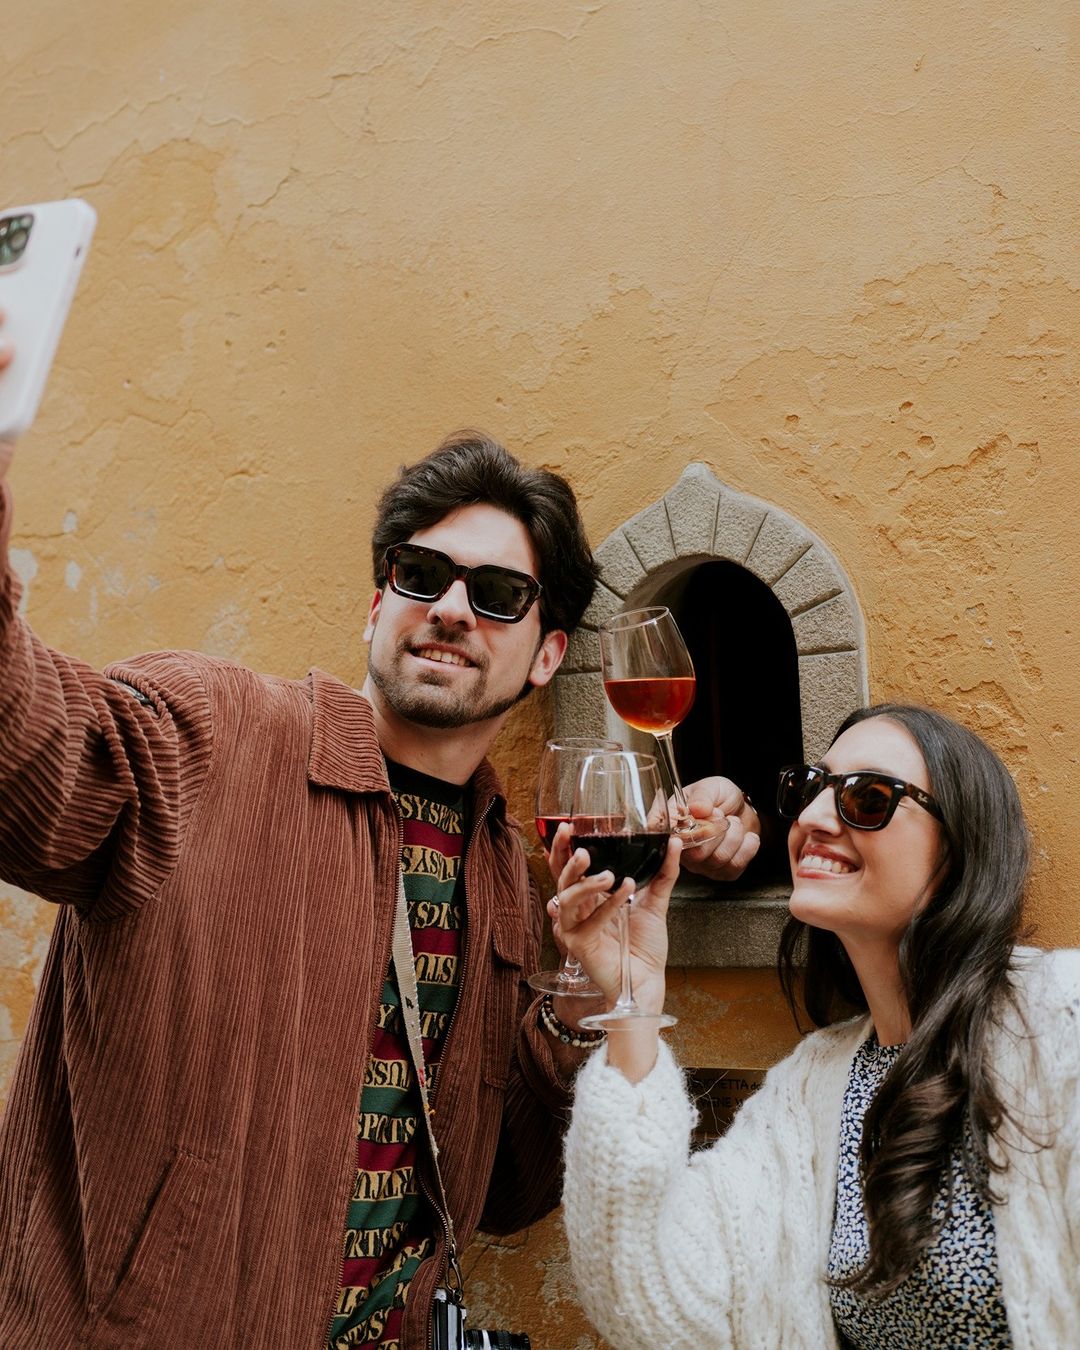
{"points": [[448, 1329]]}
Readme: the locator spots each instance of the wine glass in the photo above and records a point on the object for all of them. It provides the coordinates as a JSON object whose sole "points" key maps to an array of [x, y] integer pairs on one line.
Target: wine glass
{"points": [[649, 681], [621, 818], [560, 768]]}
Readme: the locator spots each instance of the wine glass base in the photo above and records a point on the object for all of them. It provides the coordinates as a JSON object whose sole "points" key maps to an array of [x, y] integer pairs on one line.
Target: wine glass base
{"points": [[694, 832], [555, 982], [623, 1019]]}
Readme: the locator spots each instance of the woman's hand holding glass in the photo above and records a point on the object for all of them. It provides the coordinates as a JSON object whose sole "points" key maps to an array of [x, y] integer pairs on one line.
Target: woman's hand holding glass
{"points": [[620, 831], [585, 916]]}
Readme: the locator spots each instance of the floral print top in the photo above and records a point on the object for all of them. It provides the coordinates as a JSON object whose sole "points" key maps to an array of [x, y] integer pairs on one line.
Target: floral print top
{"points": [[953, 1297]]}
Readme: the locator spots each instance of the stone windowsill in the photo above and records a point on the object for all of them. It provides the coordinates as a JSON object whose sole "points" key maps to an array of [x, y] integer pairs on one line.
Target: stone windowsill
{"points": [[711, 925]]}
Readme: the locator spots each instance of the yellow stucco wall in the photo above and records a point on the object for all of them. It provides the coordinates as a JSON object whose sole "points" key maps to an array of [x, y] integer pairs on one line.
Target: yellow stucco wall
{"points": [[829, 248]]}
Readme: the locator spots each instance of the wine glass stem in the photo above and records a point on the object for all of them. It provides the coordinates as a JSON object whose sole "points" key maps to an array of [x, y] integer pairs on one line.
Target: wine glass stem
{"points": [[667, 754], [572, 974], [626, 988]]}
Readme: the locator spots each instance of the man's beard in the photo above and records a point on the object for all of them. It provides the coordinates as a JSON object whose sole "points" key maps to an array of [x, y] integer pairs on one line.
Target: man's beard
{"points": [[432, 704]]}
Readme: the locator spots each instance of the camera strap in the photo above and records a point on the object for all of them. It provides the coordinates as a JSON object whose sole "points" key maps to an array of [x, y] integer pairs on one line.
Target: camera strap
{"points": [[405, 967]]}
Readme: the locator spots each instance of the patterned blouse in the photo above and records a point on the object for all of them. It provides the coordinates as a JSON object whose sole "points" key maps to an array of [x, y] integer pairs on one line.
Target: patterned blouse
{"points": [[953, 1297]]}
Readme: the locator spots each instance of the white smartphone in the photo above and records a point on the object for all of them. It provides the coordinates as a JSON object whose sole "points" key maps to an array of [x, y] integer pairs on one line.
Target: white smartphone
{"points": [[42, 251]]}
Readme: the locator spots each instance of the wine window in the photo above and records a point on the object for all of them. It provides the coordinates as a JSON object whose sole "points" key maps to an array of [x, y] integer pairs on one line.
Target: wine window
{"points": [[773, 626], [745, 722]]}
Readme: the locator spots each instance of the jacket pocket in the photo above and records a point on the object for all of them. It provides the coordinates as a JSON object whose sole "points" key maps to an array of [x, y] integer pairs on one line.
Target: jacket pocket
{"points": [[156, 1285], [503, 1002]]}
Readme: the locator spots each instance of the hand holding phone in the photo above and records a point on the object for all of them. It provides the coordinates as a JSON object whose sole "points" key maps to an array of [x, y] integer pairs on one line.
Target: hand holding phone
{"points": [[42, 250]]}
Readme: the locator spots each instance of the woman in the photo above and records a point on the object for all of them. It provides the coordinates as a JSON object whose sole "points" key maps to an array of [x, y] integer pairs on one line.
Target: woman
{"points": [[908, 1176]]}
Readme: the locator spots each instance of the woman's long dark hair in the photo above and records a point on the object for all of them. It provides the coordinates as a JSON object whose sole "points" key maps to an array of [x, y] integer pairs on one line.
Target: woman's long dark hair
{"points": [[955, 962]]}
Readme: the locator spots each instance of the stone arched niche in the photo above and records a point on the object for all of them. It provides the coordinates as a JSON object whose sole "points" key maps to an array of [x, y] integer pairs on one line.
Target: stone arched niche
{"points": [[700, 520]]}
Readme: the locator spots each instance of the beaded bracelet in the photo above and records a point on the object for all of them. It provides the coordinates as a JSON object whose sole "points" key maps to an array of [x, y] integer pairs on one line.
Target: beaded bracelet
{"points": [[579, 1039]]}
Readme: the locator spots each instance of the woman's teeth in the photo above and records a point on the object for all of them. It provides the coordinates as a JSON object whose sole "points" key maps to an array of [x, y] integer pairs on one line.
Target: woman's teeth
{"points": [[820, 864]]}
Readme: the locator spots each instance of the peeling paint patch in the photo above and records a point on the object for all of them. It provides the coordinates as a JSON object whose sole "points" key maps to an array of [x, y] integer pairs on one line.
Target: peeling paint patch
{"points": [[25, 567], [70, 523], [227, 635], [72, 575], [25, 930], [114, 583]]}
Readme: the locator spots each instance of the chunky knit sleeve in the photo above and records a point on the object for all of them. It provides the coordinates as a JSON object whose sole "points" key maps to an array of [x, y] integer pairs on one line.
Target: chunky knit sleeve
{"points": [[725, 1247], [1065, 967], [1037, 1062]]}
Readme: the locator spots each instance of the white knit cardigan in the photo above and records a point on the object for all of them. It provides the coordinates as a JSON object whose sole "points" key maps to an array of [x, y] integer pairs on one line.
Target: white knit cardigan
{"points": [[729, 1247]]}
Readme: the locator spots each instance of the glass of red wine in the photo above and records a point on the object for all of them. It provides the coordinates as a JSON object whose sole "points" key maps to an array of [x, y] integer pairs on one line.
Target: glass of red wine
{"points": [[649, 681], [621, 819], [560, 769]]}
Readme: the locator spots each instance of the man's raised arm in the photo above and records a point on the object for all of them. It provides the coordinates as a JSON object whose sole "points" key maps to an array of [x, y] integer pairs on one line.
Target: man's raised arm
{"points": [[90, 800]]}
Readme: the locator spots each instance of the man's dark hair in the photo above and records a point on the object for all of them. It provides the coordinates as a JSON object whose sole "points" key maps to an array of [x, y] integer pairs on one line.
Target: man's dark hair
{"points": [[470, 468]]}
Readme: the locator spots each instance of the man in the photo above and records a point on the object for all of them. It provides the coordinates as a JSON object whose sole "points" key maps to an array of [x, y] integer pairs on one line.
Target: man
{"points": [[213, 1136]]}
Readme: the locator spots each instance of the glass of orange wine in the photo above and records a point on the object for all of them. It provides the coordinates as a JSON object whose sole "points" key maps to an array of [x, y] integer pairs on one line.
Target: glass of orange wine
{"points": [[560, 769], [649, 681]]}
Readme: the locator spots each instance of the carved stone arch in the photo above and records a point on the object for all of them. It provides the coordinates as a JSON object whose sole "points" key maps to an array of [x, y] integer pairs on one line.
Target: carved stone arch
{"points": [[700, 520]]}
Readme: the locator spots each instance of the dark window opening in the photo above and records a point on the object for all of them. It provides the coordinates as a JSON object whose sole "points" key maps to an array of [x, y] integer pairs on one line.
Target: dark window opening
{"points": [[746, 722]]}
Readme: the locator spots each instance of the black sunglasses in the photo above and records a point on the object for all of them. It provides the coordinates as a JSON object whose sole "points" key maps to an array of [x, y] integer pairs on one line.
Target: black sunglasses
{"points": [[497, 593], [864, 800]]}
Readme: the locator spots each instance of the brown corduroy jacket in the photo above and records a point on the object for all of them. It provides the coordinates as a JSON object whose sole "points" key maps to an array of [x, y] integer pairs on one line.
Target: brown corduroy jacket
{"points": [[179, 1142]]}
